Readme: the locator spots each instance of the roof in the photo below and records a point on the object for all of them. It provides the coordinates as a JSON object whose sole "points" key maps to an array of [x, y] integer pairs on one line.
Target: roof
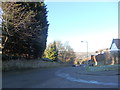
{"points": [[117, 42]]}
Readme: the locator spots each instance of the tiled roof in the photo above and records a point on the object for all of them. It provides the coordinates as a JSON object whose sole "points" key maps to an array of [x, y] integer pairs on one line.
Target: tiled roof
{"points": [[117, 42]]}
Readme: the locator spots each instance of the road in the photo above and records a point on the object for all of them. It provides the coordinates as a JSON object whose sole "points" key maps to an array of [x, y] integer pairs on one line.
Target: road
{"points": [[64, 77]]}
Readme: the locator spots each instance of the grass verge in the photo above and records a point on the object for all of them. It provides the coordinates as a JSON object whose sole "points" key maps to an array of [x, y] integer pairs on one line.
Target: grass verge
{"points": [[28, 64], [104, 68]]}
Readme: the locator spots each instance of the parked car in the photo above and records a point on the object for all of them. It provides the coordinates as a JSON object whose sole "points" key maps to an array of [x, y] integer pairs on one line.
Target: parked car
{"points": [[75, 65]]}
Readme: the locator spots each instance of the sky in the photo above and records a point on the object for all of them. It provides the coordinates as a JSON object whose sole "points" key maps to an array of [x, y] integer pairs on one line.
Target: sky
{"points": [[92, 22]]}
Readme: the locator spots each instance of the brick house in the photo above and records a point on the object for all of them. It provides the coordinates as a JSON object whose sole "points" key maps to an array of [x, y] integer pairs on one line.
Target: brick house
{"points": [[115, 46], [115, 50]]}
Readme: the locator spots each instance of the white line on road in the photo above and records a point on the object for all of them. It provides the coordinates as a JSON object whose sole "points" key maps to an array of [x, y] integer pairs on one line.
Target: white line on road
{"points": [[68, 77]]}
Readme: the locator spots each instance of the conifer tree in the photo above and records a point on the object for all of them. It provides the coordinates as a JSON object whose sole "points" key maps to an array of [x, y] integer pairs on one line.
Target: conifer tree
{"points": [[51, 52], [24, 29]]}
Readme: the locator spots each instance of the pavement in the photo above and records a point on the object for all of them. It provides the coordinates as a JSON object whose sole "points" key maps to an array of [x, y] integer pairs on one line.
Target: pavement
{"points": [[64, 77]]}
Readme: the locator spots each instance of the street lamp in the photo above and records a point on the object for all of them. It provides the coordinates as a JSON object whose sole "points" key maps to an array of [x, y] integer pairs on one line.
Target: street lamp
{"points": [[87, 46], [87, 50]]}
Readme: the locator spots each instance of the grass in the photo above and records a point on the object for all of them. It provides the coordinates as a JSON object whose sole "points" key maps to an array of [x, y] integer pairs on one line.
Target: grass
{"points": [[100, 70], [28, 64], [104, 68]]}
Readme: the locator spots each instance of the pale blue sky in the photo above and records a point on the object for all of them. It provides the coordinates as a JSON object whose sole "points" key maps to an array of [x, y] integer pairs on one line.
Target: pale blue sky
{"points": [[95, 22]]}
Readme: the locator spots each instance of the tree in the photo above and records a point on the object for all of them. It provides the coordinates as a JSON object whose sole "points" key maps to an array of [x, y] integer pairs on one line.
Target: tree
{"points": [[69, 54], [107, 56], [59, 51], [24, 29], [65, 52], [51, 51]]}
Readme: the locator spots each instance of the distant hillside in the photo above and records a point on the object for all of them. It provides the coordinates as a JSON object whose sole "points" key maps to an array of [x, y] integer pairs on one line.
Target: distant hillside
{"points": [[83, 54]]}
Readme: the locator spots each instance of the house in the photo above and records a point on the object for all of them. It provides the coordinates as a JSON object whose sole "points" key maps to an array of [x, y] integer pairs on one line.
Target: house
{"points": [[115, 46], [115, 51]]}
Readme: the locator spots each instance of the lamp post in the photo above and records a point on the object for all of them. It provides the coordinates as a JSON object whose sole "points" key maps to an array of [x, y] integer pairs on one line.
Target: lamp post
{"points": [[87, 46], [87, 51]]}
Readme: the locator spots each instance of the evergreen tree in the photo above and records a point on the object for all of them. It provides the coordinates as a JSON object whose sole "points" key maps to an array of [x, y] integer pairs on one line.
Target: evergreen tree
{"points": [[51, 52], [24, 29], [58, 51]]}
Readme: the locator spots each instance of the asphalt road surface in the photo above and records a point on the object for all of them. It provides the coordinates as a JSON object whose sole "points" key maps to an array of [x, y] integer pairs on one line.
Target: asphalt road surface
{"points": [[65, 77]]}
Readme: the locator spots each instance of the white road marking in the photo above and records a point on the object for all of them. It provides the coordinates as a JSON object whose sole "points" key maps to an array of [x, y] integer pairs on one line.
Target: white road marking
{"points": [[68, 77]]}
